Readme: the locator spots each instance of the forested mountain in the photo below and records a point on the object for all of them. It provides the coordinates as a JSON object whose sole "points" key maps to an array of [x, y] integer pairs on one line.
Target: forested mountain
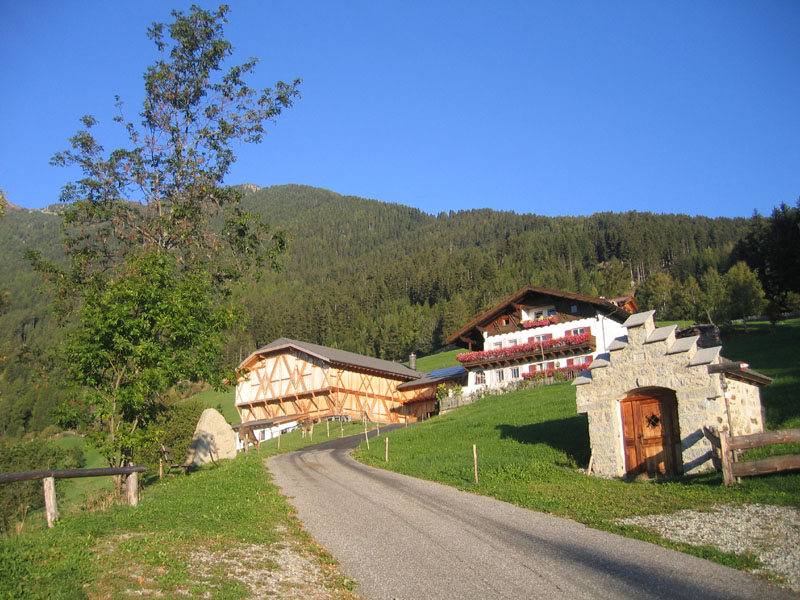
{"points": [[371, 277]]}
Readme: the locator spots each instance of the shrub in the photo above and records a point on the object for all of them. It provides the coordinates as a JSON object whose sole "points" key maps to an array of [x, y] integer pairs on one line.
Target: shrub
{"points": [[174, 427], [17, 498]]}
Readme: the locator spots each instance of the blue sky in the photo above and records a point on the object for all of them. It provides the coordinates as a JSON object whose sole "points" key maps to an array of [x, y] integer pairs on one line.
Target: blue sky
{"points": [[555, 108]]}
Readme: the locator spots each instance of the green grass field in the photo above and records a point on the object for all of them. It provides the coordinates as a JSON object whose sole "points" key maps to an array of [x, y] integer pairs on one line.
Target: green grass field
{"points": [[440, 360], [532, 443], [224, 400], [163, 547], [72, 493]]}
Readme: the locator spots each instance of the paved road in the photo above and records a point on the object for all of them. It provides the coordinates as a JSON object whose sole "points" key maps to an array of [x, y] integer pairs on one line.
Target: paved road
{"points": [[409, 539]]}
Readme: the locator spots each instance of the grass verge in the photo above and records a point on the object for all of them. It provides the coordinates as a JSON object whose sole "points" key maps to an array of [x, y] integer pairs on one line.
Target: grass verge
{"points": [[213, 533]]}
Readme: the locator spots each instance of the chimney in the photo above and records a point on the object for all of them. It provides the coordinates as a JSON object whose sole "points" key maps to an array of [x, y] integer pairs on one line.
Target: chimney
{"points": [[412, 361]]}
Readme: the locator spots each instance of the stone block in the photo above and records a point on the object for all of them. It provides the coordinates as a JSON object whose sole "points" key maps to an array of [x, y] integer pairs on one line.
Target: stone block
{"points": [[213, 440]]}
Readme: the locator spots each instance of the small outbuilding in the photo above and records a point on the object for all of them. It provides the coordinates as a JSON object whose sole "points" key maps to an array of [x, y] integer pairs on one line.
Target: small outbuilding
{"points": [[650, 395]]}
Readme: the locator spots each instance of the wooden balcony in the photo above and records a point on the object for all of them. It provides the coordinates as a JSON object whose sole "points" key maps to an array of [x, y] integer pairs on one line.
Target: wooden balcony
{"points": [[528, 353]]}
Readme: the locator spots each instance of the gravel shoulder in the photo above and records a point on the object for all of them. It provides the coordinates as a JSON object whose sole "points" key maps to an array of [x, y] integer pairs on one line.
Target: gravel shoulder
{"points": [[772, 533]]}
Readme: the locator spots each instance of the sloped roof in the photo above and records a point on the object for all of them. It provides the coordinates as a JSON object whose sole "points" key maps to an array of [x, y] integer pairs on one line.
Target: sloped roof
{"points": [[334, 355], [501, 307], [435, 377]]}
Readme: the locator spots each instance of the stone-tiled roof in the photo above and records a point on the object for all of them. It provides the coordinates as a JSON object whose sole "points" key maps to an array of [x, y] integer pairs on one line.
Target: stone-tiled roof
{"points": [[638, 319], [618, 344], [740, 371], [584, 378], [660, 334], [683, 345], [602, 360], [705, 356]]}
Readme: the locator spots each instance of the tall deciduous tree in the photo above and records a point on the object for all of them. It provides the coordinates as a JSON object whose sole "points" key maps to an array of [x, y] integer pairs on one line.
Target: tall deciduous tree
{"points": [[155, 238], [745, 294]]}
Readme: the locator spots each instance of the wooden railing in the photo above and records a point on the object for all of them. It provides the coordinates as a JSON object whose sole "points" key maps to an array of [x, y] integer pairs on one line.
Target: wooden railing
{"points": [[733, 470], [49, 477]]}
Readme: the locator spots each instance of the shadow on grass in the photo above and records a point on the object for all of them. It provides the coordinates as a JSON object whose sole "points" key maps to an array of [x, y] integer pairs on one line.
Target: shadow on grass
{"points": [[570, 435]]}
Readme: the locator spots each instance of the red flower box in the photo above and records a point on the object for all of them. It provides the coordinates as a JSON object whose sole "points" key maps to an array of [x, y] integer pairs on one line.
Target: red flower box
{"points": [[567, 340], [540, 322]]}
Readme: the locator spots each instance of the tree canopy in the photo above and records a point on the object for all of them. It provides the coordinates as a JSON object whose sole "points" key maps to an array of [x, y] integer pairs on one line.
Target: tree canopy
{"points": [[154, 237]]}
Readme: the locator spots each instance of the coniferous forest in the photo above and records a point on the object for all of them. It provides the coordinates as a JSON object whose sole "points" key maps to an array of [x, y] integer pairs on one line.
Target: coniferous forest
{"points": [[386, 279]]}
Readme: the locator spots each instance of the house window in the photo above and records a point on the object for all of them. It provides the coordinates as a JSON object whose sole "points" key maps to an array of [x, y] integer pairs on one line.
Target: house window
{"points": [[501, 375], [514, 372], [578, 331], [498, 345], [551, 312], [543, 337], [574, 308], [480, 377]]}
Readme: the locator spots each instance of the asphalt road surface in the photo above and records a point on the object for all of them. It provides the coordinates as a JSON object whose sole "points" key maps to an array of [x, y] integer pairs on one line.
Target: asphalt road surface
{"points": [[410, 539]]}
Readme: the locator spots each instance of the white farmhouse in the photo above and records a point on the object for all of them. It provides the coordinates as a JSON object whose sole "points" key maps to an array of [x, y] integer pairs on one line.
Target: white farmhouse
{"points": [[537, 332]]}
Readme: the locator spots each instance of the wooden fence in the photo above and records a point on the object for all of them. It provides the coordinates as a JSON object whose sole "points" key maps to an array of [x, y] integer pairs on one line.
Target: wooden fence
{"points": [[728, 446], [49, 477]]}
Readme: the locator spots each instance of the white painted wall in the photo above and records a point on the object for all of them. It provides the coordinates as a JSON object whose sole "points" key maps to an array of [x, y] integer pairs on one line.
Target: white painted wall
{"points": [[604, 330]]}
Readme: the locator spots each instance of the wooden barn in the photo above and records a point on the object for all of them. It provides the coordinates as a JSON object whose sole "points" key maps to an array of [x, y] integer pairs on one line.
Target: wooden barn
{"points": [[289, 380]]}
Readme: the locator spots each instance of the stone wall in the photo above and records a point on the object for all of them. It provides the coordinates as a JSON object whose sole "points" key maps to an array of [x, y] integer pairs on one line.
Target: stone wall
{"points": [[650, 357]]}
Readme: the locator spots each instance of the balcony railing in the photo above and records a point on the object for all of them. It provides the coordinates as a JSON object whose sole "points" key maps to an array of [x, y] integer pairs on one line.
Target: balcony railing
{"points": [[540, 350]]}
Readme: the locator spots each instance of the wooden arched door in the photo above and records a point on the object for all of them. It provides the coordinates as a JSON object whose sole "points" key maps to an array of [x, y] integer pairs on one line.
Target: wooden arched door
{"points": [[651, 433]]}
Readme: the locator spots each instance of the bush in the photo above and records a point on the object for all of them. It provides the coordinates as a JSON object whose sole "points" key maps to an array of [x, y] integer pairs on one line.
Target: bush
{"points": [[49, 432], [17, 498], [174, 427]]}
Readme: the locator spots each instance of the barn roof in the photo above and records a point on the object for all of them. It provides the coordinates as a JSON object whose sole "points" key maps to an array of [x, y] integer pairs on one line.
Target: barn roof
{"points": [[334, 355], [436, 377]]}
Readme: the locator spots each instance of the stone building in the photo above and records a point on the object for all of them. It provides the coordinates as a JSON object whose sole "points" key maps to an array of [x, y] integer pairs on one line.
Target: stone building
{"points": [[649, 397]]}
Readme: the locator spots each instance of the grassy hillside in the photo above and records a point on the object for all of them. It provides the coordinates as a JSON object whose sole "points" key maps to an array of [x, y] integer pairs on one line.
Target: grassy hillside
{"points": [[440, 360], [190, 536], [222, 401], [532, 445]]}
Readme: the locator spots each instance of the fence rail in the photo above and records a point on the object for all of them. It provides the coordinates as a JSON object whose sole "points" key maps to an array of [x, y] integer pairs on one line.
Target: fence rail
{"points": [[49, 476], [733, 470], [69, 473]]}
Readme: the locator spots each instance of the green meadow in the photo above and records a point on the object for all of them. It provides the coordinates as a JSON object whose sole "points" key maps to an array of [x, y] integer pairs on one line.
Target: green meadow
{"points": [[532, 448], [159, 548]]}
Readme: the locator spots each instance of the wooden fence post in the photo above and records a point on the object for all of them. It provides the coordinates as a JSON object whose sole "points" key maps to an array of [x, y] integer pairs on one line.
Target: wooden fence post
{"points": [[366, 437], [279, 439], [727, 458], [386, 459], [475, 460], [132, 488], [50, 504], [328, 427]]}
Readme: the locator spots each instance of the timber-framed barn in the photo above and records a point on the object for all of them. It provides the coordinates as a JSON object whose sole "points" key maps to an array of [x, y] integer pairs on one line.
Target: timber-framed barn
{"points": [[289, 380]]}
